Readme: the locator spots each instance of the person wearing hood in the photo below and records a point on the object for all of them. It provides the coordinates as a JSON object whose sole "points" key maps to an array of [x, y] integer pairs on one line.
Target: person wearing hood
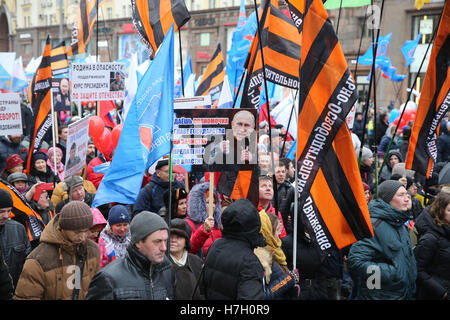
{"points": [[433, 250], [205, 229], [384, 267], [394, 157], [52, 154], [145, 273], [64, 263], [40, 171], [116, 235], [74, 186], [232, 271], [386, 139], [10, 145], [187, 266], [151, 197], [366, 168], [99, 223], [179, 204]]}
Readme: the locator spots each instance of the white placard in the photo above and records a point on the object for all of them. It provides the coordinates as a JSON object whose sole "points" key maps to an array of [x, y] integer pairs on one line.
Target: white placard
{"points": [[10, 114], [77, 141], [98, 81], [198, 101]]}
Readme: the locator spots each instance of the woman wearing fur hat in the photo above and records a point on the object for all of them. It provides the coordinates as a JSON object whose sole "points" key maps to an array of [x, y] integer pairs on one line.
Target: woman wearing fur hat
{"points": [[205, 229], [116, 235], [433, 250], [64, 263], [40, 171], [187, 266], [383, 267]]}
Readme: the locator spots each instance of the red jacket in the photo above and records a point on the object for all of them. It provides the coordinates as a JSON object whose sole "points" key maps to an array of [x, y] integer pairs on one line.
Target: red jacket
{"points": [[95, 178], [200, 239]]}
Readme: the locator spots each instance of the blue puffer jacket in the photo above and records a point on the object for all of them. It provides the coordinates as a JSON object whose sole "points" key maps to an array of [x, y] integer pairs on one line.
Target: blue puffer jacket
{"points": [[388, 254]]}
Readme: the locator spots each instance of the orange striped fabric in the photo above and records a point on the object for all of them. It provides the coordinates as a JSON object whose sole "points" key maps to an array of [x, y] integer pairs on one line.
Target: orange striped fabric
{"points": [[281, 49], [23, 213], [153, 18], [59, 62], [40, 93], [330, 191], [81, 32], [434, 102], [212, 80]]}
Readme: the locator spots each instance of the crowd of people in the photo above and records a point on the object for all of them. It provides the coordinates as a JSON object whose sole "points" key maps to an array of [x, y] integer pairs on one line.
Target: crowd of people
{"points": [[177, 241]]}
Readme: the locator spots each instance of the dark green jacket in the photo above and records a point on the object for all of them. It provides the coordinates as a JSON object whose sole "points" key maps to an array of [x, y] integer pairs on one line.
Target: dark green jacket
{"points": [[384, 267]]}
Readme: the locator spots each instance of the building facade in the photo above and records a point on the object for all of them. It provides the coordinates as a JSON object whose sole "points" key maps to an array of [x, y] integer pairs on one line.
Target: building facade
{"points": [[26, 24]]}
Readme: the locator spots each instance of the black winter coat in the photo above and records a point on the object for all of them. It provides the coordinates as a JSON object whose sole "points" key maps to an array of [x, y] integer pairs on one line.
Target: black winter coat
{"points": [[432, 254], [39, 176], [134, 277], [15, 246], [187, 277], [286, 194], [6, 284], [7, 148]]}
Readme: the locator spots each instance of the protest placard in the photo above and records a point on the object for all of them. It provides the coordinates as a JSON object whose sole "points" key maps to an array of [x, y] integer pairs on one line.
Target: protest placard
{"points": [[77, 141], [215, 139], [98, 81], [61, 94], [10, 114]]}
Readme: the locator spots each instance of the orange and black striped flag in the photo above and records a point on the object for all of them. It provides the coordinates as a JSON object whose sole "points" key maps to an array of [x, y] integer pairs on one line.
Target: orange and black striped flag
{"points": [[328, 175], [81, 32], [434, 102], [212, 79], [281, 48], [153, 18], [59, 62], [40, 99], [23, 213]]}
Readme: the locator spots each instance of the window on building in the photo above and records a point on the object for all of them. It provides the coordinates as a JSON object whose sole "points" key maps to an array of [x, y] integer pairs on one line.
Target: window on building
{"points": [[204, 39], [425, 24], [109, 13], [366, 32], [26, 48], [212, 4]]}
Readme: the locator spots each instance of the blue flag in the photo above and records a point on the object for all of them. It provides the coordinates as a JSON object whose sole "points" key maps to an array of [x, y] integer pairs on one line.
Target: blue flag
{"points": [[383, 46], [240, 45], [187, 71], [290, 153], [409, 48], [146, 133]]}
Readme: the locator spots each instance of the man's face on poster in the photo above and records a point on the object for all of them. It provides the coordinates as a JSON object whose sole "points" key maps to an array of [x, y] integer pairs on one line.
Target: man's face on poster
{"points": [[72, 154], [243, 124], [64, 86]]}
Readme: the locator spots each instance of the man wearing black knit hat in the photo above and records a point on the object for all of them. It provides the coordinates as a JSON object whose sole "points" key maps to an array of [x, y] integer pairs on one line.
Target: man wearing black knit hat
{"points": [[65, 261], [14, 242]]}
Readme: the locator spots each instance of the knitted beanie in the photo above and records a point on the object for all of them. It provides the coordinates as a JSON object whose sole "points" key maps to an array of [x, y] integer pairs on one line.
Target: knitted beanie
{"points": [[387, 189], [39, 155], [144, 224], [366, 154], [118, 214], [75, 215], [6, 200]]}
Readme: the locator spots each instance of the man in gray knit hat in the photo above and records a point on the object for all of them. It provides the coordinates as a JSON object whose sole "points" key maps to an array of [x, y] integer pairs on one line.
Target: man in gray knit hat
{"points": [[145, 272]]}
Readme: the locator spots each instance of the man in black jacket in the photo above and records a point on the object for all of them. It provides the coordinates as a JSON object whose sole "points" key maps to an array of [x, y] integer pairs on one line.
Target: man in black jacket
{"points": [[232, 271], [14, 243], [285, 194], [145, 273]]}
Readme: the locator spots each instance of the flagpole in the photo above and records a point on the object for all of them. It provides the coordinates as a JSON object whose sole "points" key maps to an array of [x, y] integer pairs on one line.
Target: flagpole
{"points": [[181, 61], [239, 88], [409, 95], [289, 123], [295, 230], [339, 18], [275, 187], [53, 134]]}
